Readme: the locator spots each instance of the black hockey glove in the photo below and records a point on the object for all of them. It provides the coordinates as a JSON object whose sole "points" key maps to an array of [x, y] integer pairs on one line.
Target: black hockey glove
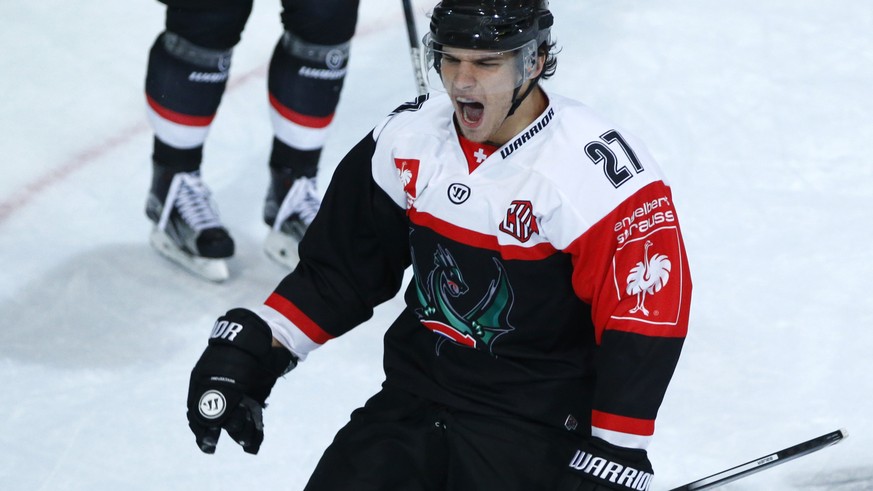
{"points": [[600, 466], [232, 380]]}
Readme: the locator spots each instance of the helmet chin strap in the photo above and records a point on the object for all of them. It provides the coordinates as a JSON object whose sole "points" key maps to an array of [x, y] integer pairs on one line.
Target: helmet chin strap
{"points": [[516, 100]]}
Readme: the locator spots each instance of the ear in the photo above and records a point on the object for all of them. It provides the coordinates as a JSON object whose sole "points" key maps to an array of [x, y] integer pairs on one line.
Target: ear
{"points": [[534, 66], [540, 64]]}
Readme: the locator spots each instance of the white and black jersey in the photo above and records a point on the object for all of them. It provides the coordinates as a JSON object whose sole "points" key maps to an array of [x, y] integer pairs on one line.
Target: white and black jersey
{"points": [[550, 278]]}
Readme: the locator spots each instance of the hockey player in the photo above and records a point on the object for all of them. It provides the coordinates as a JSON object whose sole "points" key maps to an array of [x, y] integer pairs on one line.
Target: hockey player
{"points": [[187, 73], [550, 292]]}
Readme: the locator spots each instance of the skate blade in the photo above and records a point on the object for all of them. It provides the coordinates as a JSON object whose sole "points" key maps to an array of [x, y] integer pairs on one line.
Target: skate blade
{"points": [[282, 249], [209, 268]]}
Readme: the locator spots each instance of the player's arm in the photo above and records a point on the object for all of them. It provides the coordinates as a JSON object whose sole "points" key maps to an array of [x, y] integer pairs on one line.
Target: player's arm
{"points": [[632, 268], [352, 259]]}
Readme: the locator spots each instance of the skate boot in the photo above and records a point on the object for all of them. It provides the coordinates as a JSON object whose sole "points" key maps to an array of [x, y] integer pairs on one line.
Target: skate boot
{"points": [[187, 227], [291, 204]]}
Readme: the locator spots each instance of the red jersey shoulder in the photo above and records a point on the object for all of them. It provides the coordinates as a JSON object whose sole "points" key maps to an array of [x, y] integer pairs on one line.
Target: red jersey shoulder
{"points": [[631, 265]]}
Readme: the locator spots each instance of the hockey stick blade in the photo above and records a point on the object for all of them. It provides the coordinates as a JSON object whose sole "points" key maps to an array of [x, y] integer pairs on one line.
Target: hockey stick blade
{"points": [[766, 462]]}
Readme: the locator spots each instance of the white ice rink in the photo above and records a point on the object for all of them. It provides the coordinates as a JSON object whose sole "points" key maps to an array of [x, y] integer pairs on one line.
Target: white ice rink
{"points": [[761, 113]]}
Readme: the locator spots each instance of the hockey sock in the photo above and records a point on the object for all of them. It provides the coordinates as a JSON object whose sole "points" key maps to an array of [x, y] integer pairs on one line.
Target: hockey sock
{"points": [[184, 86], [305, 81]]}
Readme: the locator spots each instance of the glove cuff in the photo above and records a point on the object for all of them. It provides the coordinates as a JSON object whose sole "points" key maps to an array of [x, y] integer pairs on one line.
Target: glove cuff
{"points": [[612, 466], [246, 331]]}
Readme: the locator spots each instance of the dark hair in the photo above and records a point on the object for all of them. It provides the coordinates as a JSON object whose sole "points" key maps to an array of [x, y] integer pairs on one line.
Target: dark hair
{"points": [[548, 50]]}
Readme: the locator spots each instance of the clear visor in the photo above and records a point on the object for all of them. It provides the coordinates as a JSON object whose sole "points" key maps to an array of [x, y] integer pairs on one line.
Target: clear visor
{"points": [[481, 70]]}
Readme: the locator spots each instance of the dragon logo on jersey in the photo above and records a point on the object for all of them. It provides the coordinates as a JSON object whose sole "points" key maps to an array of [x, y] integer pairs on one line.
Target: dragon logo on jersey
{"points": [[647, 277], [438, 293], [407, 171], [520, 221]]}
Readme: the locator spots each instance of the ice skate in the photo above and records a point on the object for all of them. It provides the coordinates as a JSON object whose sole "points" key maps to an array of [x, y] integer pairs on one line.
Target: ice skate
{"points": [[187, 227], [290, 206]]}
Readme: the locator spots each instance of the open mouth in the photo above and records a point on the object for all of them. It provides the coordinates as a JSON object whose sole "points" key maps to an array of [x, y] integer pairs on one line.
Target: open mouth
{"points": [[471, 112]]}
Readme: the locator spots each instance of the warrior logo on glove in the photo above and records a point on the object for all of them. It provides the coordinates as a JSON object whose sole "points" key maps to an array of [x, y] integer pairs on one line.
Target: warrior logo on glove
{"points": [[212, 404]]}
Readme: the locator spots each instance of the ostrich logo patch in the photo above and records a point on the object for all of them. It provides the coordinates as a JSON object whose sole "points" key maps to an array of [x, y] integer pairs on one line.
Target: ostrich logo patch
{"points": [[648, 277]]}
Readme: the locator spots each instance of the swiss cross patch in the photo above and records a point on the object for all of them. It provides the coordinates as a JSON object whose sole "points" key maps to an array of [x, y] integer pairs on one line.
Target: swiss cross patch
{"points": [[520, 221], [407, 171], [648, 277]]}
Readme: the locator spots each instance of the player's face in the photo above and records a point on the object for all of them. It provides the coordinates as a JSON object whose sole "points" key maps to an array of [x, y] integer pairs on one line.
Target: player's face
{"points": [[480, 85]]}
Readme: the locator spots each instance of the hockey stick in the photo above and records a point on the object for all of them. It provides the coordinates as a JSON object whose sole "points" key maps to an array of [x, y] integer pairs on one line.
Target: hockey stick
{"points": [[766, 462], [414, 50]]}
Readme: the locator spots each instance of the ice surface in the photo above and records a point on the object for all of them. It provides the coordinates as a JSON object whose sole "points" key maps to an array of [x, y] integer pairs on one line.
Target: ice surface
{"points": [[760, 113]]}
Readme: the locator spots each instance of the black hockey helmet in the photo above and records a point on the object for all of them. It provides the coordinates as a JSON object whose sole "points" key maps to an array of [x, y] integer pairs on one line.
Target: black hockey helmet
{"points": [[499, 25]]}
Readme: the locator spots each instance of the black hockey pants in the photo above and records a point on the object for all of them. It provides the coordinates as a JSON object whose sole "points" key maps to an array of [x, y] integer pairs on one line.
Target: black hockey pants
{"points": [[399, 442]]}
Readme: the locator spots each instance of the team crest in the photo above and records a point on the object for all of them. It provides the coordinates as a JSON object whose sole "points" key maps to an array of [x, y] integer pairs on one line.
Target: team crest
{"points": [[439, 291], [520, 221]]}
